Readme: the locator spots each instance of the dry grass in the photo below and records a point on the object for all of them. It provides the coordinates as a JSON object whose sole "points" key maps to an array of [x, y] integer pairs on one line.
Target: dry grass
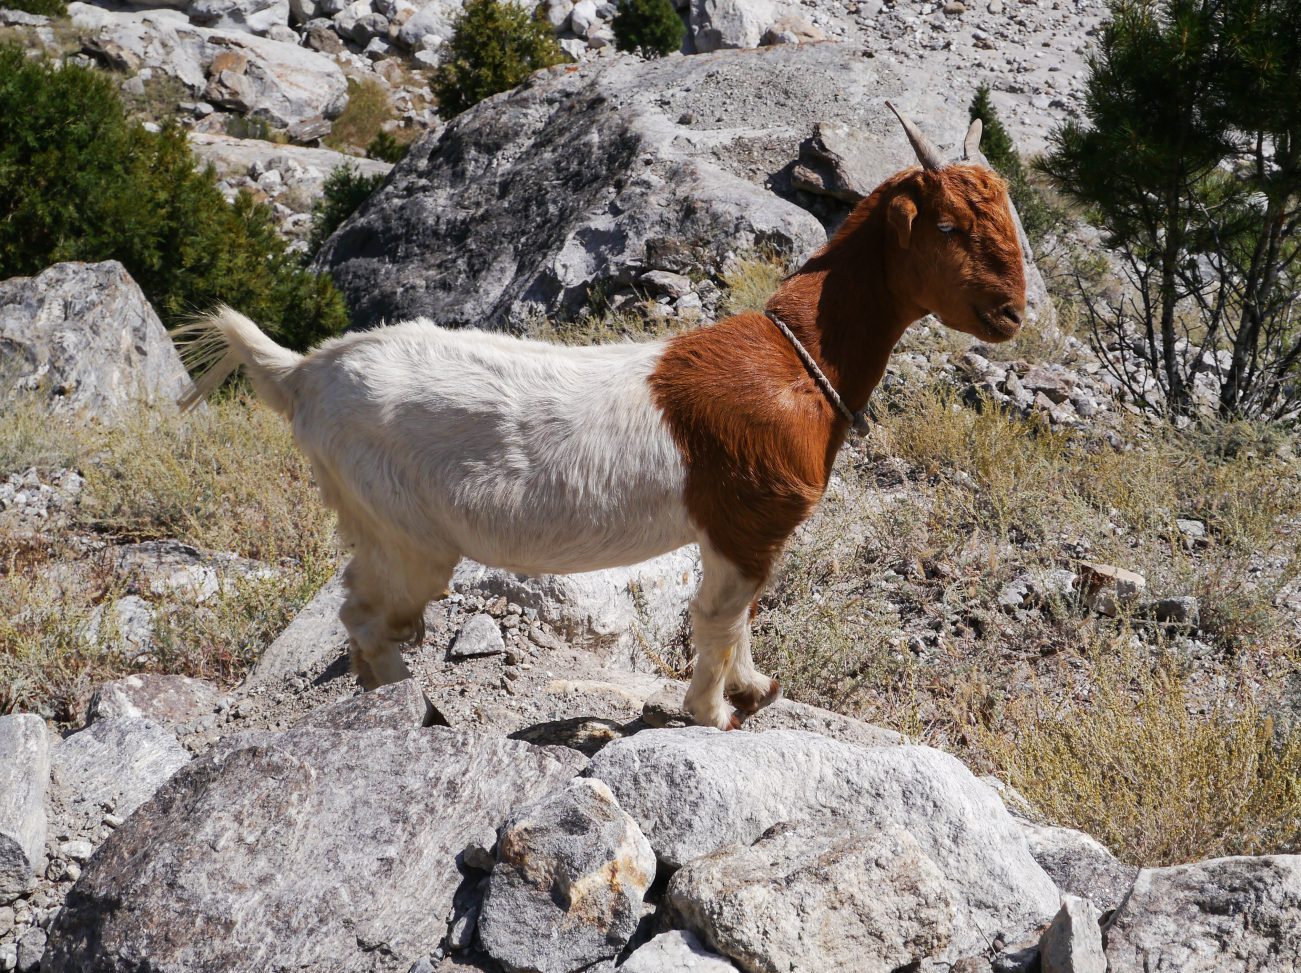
{"points": [[885, 607], [751, 281], [363, 118], [225, 479]]}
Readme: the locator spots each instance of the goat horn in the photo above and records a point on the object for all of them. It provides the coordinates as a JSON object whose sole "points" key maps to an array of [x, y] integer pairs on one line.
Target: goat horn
{"points": [[971, 144], [927, 154]]}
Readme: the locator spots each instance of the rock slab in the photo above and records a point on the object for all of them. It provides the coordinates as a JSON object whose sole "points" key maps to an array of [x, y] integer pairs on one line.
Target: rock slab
{"points": [[169, 700], [1073, 943], [1227, 915], [312, 850], [113, 765], [24, 779], [84, 337], [813, 896], [567, 889]]}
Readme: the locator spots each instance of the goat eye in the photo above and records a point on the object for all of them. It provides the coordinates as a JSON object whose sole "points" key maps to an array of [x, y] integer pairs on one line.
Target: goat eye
{"points": [[946, 227]]}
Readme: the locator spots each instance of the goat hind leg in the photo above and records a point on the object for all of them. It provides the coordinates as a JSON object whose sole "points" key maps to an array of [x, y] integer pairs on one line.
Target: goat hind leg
{"points": [[748, 689]]}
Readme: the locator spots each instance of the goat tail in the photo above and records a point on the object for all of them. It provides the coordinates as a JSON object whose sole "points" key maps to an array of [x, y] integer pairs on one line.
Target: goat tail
{"points": [[213, 345]]}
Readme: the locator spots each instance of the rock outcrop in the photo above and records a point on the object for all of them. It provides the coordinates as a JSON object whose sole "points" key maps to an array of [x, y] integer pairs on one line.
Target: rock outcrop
{"points": [[84, 337], [279, 82], [587, 179]]}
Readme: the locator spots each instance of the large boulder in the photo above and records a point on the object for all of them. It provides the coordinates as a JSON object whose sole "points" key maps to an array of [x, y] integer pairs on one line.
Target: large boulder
{"points": [[1079, 864], [719, 24], [1227, 915], [568, 885], [696, 790], [283, 83], [590, 177], [311, 850], [85, 337], [24, 778]]}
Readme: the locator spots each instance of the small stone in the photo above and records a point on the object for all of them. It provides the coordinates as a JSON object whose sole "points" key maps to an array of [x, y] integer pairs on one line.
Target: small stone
{"points": [[461, 934], [71, 871], [6, 920], [664, 282], [1184, 611], [480, 635], [1107, 588], [954, 8], [77, 850], [479, 852], [995, 7]]}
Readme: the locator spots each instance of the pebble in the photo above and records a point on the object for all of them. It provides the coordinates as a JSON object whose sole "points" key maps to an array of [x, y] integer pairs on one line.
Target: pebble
{"points": [[78, 850]]}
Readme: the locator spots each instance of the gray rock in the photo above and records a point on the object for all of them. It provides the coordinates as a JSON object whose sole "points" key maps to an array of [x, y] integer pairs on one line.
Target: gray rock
{"points": [[567, 889], [130, 621], [435, 18], [309, 643], [470, 229], [824, 896], [1227, 915], [8, 956], [24, 780], [114, 764], [31, 947], [695, 790], [169, 568], [166, 699], [239, 863], [719, 24], [1073, 943], [480, 635], [1057, 385], [1079, 864], [677, 951], [398, 706], [613, 612], [283, 83], [253, 16], [84, 337], [1184, 611]]}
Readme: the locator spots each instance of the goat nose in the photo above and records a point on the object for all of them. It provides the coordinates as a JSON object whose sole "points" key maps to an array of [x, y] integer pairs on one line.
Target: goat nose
{"points": [[1014, 313]]}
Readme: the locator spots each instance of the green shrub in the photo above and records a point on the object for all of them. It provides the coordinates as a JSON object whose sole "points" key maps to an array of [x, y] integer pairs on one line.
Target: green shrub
{"points": [[345, 189], [81, 181], [50, 8], [495, 45], [1038, 215], [386, 147], [651, 28]]}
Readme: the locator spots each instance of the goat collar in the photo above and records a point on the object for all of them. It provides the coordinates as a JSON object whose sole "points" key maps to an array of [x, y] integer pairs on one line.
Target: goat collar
{"points": [[858, 421]]}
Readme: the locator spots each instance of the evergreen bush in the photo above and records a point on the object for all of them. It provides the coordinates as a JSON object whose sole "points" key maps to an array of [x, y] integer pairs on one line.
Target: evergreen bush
{"points": [[651, 28], [79, 180], [1038, 215], [495, 45], [345, 189]]}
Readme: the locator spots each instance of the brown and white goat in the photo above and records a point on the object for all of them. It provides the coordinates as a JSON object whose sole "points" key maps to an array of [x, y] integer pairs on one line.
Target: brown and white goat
{"points": [[433, 445]]}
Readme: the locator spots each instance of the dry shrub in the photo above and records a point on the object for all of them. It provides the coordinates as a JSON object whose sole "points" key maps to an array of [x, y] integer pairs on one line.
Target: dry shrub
{"points": [[751, 281], [1134, 766]]}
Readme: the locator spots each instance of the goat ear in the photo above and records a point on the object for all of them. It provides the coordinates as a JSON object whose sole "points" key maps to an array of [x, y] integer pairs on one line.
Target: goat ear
{"points": [[902, 213]]}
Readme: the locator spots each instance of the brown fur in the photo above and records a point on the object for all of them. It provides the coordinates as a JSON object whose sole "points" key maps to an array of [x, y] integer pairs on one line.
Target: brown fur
{"points": [[756, 434]]}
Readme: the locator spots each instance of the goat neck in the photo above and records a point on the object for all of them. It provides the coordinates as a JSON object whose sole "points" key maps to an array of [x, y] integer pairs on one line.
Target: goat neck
{"points": [[841, 306]]}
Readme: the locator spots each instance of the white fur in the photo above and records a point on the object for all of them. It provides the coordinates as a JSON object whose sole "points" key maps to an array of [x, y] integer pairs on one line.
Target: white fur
{"points": [[433, 445]]}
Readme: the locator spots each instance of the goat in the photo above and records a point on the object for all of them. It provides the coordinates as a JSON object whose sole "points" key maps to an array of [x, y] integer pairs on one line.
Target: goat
{"points": [[433, 445]]}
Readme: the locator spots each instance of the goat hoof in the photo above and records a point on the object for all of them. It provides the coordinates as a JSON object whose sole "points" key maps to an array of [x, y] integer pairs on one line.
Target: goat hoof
{"points": [[733, 722], [750, 701]]}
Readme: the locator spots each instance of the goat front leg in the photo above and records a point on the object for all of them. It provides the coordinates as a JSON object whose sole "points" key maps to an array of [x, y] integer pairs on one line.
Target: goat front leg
{"points": [[719, 619]]}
